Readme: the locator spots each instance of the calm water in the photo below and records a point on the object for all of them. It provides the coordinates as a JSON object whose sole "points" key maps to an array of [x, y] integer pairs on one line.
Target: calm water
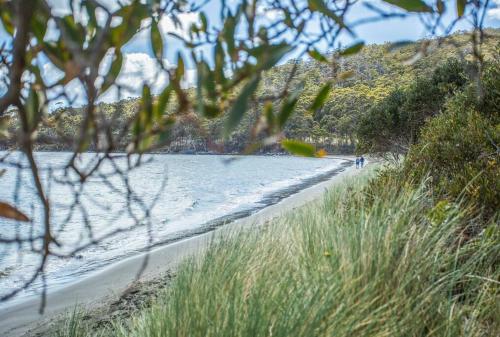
{"points": [[186, 194]]}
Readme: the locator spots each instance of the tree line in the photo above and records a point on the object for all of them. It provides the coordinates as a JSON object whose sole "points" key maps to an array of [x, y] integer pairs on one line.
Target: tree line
{"points": [[369, 84]]}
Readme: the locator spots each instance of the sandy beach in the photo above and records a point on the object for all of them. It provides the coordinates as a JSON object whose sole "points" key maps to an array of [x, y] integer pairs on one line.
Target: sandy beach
{"points": [[107, 284]]}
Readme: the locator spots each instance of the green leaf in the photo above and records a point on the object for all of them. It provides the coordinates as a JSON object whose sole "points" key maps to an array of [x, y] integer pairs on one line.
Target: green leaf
{"points": [[39, 24], [317, 55], [321, 97], [298, 148], [147, 105], [228, 32], [179, 71], [144, 118], [114, 71], [131, 15], [320, 6], [6, 18], [204, 22], [161, 104], [461, 7], [353, 49], [411, 5], [240, 105], [399, 44], [156, 41], [268, 114], [32, 108], [269, 55], [73, 29], [287, 108], [210, 111], [219, 57]]}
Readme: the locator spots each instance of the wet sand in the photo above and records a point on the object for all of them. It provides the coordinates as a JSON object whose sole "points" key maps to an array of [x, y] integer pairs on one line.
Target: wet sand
{"points": [[108, 284]]}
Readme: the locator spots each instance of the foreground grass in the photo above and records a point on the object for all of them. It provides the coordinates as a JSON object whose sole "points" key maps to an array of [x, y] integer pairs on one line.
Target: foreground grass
{"points": [[358, 263]]}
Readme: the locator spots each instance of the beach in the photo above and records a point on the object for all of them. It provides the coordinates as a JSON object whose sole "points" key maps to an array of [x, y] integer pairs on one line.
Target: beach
{"points": [[108, 284]]}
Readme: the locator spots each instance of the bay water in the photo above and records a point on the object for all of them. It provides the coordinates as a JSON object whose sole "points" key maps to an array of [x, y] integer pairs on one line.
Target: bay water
{"points": [[165, 199]]}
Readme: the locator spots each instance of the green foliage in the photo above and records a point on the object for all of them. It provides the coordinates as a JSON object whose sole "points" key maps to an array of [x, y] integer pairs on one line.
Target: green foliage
{"points": [[394, 124], [459, 149]]}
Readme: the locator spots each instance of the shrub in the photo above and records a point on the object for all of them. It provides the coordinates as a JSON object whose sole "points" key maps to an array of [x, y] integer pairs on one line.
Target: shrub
{"points": [[395, 123], [459, 151]]}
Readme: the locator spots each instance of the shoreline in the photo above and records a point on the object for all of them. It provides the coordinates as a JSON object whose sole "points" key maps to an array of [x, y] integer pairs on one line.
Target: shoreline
{"points": [[108, 284]]}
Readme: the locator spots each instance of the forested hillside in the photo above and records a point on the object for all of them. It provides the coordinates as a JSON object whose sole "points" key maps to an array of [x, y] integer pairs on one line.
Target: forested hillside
{"points": [[361, 81]]}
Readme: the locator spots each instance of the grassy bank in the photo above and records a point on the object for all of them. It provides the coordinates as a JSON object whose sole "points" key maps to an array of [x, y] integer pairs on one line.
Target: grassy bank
{"points": [[360, 262]]}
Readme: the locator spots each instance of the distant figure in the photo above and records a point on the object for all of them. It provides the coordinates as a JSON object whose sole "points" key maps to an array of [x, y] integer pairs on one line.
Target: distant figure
{"points": [[362, 161], [357, 162]]}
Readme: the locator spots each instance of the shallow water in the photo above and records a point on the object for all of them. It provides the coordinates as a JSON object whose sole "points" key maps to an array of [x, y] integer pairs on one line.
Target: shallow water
{"points": [[184, 195]]}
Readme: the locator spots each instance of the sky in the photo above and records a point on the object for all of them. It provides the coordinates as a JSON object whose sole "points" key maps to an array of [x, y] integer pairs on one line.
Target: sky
{"points": [[141, 67]]}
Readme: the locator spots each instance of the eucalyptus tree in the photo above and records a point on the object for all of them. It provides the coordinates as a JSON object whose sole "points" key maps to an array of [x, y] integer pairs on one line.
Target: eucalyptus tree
{"points": [[230, 50]]}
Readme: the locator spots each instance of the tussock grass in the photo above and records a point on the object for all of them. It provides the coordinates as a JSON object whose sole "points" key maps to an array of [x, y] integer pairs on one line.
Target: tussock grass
{"points": [[357, 263]]}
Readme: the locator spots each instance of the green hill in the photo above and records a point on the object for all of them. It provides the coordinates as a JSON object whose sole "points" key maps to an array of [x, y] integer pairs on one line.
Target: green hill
{"points": [[361, 81]]}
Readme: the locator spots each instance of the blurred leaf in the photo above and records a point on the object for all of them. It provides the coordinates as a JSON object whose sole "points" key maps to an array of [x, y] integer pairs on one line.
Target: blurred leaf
{"points": [[321, 97], [156, 40], [268, 114], [228, 31], [10, 212], [345, 75], [210, 111], [321, 153], [269, 55], [219, 57], [441, 6], [161, 104], [4, 127], [32, 107], [144, 116], [90, 9], [147, 105], [7, 22], [353, 49], [317, 55], [320, 6], [411, 5], [39, 23], [73, 29], [114, 71], [461, 7], [240, 105], [180, 70], [204, 22], [400, 44], [288, 107], [131, 15], [298, 148]]}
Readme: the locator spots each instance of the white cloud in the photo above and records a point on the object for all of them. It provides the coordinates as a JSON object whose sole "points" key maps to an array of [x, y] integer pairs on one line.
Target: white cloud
{"points": [[495, 11], [167, 25], [269, 14], [137, 69], [62, 7]]}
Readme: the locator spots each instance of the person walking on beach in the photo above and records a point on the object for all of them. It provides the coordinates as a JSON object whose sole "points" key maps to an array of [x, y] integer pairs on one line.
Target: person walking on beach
{"points": [[357, 162], [361, 161]]}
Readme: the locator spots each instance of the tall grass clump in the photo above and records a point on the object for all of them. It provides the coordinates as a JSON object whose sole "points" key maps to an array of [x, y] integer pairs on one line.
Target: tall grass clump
{"points": [[366, 260]]}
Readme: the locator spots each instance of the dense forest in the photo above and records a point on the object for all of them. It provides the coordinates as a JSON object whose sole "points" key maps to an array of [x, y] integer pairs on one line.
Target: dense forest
{"points": [[417, 76]]}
